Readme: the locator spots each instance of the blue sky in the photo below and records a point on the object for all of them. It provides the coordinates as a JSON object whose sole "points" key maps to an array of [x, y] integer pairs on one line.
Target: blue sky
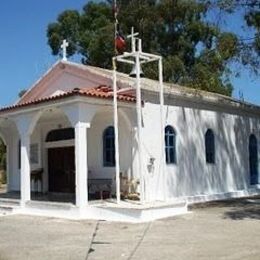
{"points": [[25, 55]]}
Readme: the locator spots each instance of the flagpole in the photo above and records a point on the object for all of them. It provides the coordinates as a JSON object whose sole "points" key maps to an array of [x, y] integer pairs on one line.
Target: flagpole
{"points": [[117, 164], [135, 57]]}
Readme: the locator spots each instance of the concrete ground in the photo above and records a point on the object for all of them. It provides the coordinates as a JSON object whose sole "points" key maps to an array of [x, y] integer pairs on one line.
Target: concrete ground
{"points": [[219, 230]]}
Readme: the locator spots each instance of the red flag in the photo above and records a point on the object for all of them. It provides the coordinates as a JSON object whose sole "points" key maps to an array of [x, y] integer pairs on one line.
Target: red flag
{"points": [[120, 43]]}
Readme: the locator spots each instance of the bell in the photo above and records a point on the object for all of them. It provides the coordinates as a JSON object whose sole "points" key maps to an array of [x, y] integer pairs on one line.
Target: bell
{"points": [[133, 72]]}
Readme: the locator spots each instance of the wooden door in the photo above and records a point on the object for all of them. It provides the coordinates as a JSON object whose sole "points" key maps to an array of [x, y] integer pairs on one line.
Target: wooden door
{"points": [[61, 169], [253, 160]]}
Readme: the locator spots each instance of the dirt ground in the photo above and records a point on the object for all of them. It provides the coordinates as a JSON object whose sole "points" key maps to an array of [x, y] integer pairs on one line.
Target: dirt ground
{"points": [[217, 230]]}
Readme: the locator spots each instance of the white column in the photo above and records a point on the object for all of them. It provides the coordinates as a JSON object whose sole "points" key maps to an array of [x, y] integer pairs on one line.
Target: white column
{"points": [[139, 128], [81, 164], [25, 125], [116, 134], [25, 169], [163, 162]]}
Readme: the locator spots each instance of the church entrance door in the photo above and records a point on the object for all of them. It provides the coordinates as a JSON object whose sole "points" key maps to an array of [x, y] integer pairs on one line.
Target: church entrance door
{"points": [[61, 164], [253, 160]]}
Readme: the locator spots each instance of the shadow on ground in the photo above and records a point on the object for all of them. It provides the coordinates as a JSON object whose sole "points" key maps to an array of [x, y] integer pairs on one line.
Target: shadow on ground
{"points": [[235, 209]]}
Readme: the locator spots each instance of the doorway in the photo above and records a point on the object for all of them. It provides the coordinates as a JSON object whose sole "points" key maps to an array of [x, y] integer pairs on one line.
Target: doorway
{"points": [[61, 164], [253, 160]]}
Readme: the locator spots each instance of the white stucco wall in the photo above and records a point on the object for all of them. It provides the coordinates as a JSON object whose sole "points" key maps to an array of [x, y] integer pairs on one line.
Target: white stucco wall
{"points": [[56, 119], [13, 164], [66, 82], [10, 137], [102, 120], [191, 175]]}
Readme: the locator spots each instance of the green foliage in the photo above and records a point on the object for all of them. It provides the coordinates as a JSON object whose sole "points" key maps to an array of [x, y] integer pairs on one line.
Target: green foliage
{"points": [[247, 48], [67, 26], [22, 92], [196, 52]]}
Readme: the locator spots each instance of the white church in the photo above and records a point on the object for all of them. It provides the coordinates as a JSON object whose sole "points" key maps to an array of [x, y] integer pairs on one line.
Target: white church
{"points": [[86, 142]]}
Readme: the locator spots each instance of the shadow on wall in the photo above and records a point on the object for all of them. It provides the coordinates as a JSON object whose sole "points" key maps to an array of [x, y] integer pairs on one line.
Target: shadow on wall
{"points": [[192, 175]]}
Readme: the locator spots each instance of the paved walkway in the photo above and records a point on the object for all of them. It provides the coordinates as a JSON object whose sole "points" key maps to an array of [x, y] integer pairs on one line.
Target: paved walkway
{"points": [[223, 230]]}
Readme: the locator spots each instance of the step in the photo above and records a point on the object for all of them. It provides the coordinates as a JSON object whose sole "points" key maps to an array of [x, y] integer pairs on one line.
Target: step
{"points": [[7, 201], [46, 205], [127, 204], [137, 213], [7, 209]]}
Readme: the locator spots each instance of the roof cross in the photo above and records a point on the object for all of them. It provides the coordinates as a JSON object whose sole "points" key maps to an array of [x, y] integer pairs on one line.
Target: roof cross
{"points": [[133, 38], [64, 46]]}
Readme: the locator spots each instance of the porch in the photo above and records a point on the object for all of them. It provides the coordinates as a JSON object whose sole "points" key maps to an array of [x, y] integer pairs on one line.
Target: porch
{"points": [[66, 148], [60, 205], [108, 209]]}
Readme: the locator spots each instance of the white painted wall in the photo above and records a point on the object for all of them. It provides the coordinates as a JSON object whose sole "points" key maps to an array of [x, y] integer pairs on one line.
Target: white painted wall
{"points": [[192, 175], [64, 80], [102, 120], [13, 165], [11, 139], [67, 82]]}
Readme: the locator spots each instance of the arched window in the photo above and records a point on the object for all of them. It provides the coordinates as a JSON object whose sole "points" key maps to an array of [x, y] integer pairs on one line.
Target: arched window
{"points": [[109, 147], [60, 135], [210, 146], [170, 145], [253, 159]]}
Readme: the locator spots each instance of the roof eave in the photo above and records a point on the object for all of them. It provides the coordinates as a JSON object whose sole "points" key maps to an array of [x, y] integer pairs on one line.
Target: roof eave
{"points": [[63, 99]]}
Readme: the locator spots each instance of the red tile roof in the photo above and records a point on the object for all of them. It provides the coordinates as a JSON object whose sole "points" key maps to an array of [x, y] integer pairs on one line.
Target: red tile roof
{"points": [[102, 91]]}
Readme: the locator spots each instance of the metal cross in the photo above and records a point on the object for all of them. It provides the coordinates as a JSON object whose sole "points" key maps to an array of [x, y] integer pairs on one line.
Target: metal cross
{"points": [[132, 37], [64, 46]]}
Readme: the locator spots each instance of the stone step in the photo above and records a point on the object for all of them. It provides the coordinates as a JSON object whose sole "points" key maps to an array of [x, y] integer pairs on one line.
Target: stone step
{"points": [[46, 205], [147, 206], [7, 201], [7, 209], [138, 213]]}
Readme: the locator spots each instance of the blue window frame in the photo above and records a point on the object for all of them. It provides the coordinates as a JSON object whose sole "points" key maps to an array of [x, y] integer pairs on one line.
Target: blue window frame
{"points": [[170, 145], [109, 147], [253, 159], [210, 146]]}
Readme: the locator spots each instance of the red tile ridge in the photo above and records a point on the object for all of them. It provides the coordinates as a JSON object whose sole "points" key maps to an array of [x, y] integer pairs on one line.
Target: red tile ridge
{"points": [[102, 91]]}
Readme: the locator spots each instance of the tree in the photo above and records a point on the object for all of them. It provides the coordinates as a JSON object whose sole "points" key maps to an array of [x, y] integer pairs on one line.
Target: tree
{"points": [[248, 39], [21, 93], [197, 52]]}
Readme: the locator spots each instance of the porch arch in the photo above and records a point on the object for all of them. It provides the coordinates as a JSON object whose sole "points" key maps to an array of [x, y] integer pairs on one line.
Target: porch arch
{"points": [[45, 139], [60, 135], [10, 136], [3, 164], [3, 137]]}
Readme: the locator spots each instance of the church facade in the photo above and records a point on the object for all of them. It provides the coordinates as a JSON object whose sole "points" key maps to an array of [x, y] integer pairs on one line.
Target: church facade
{"points": [[60, 139]]}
